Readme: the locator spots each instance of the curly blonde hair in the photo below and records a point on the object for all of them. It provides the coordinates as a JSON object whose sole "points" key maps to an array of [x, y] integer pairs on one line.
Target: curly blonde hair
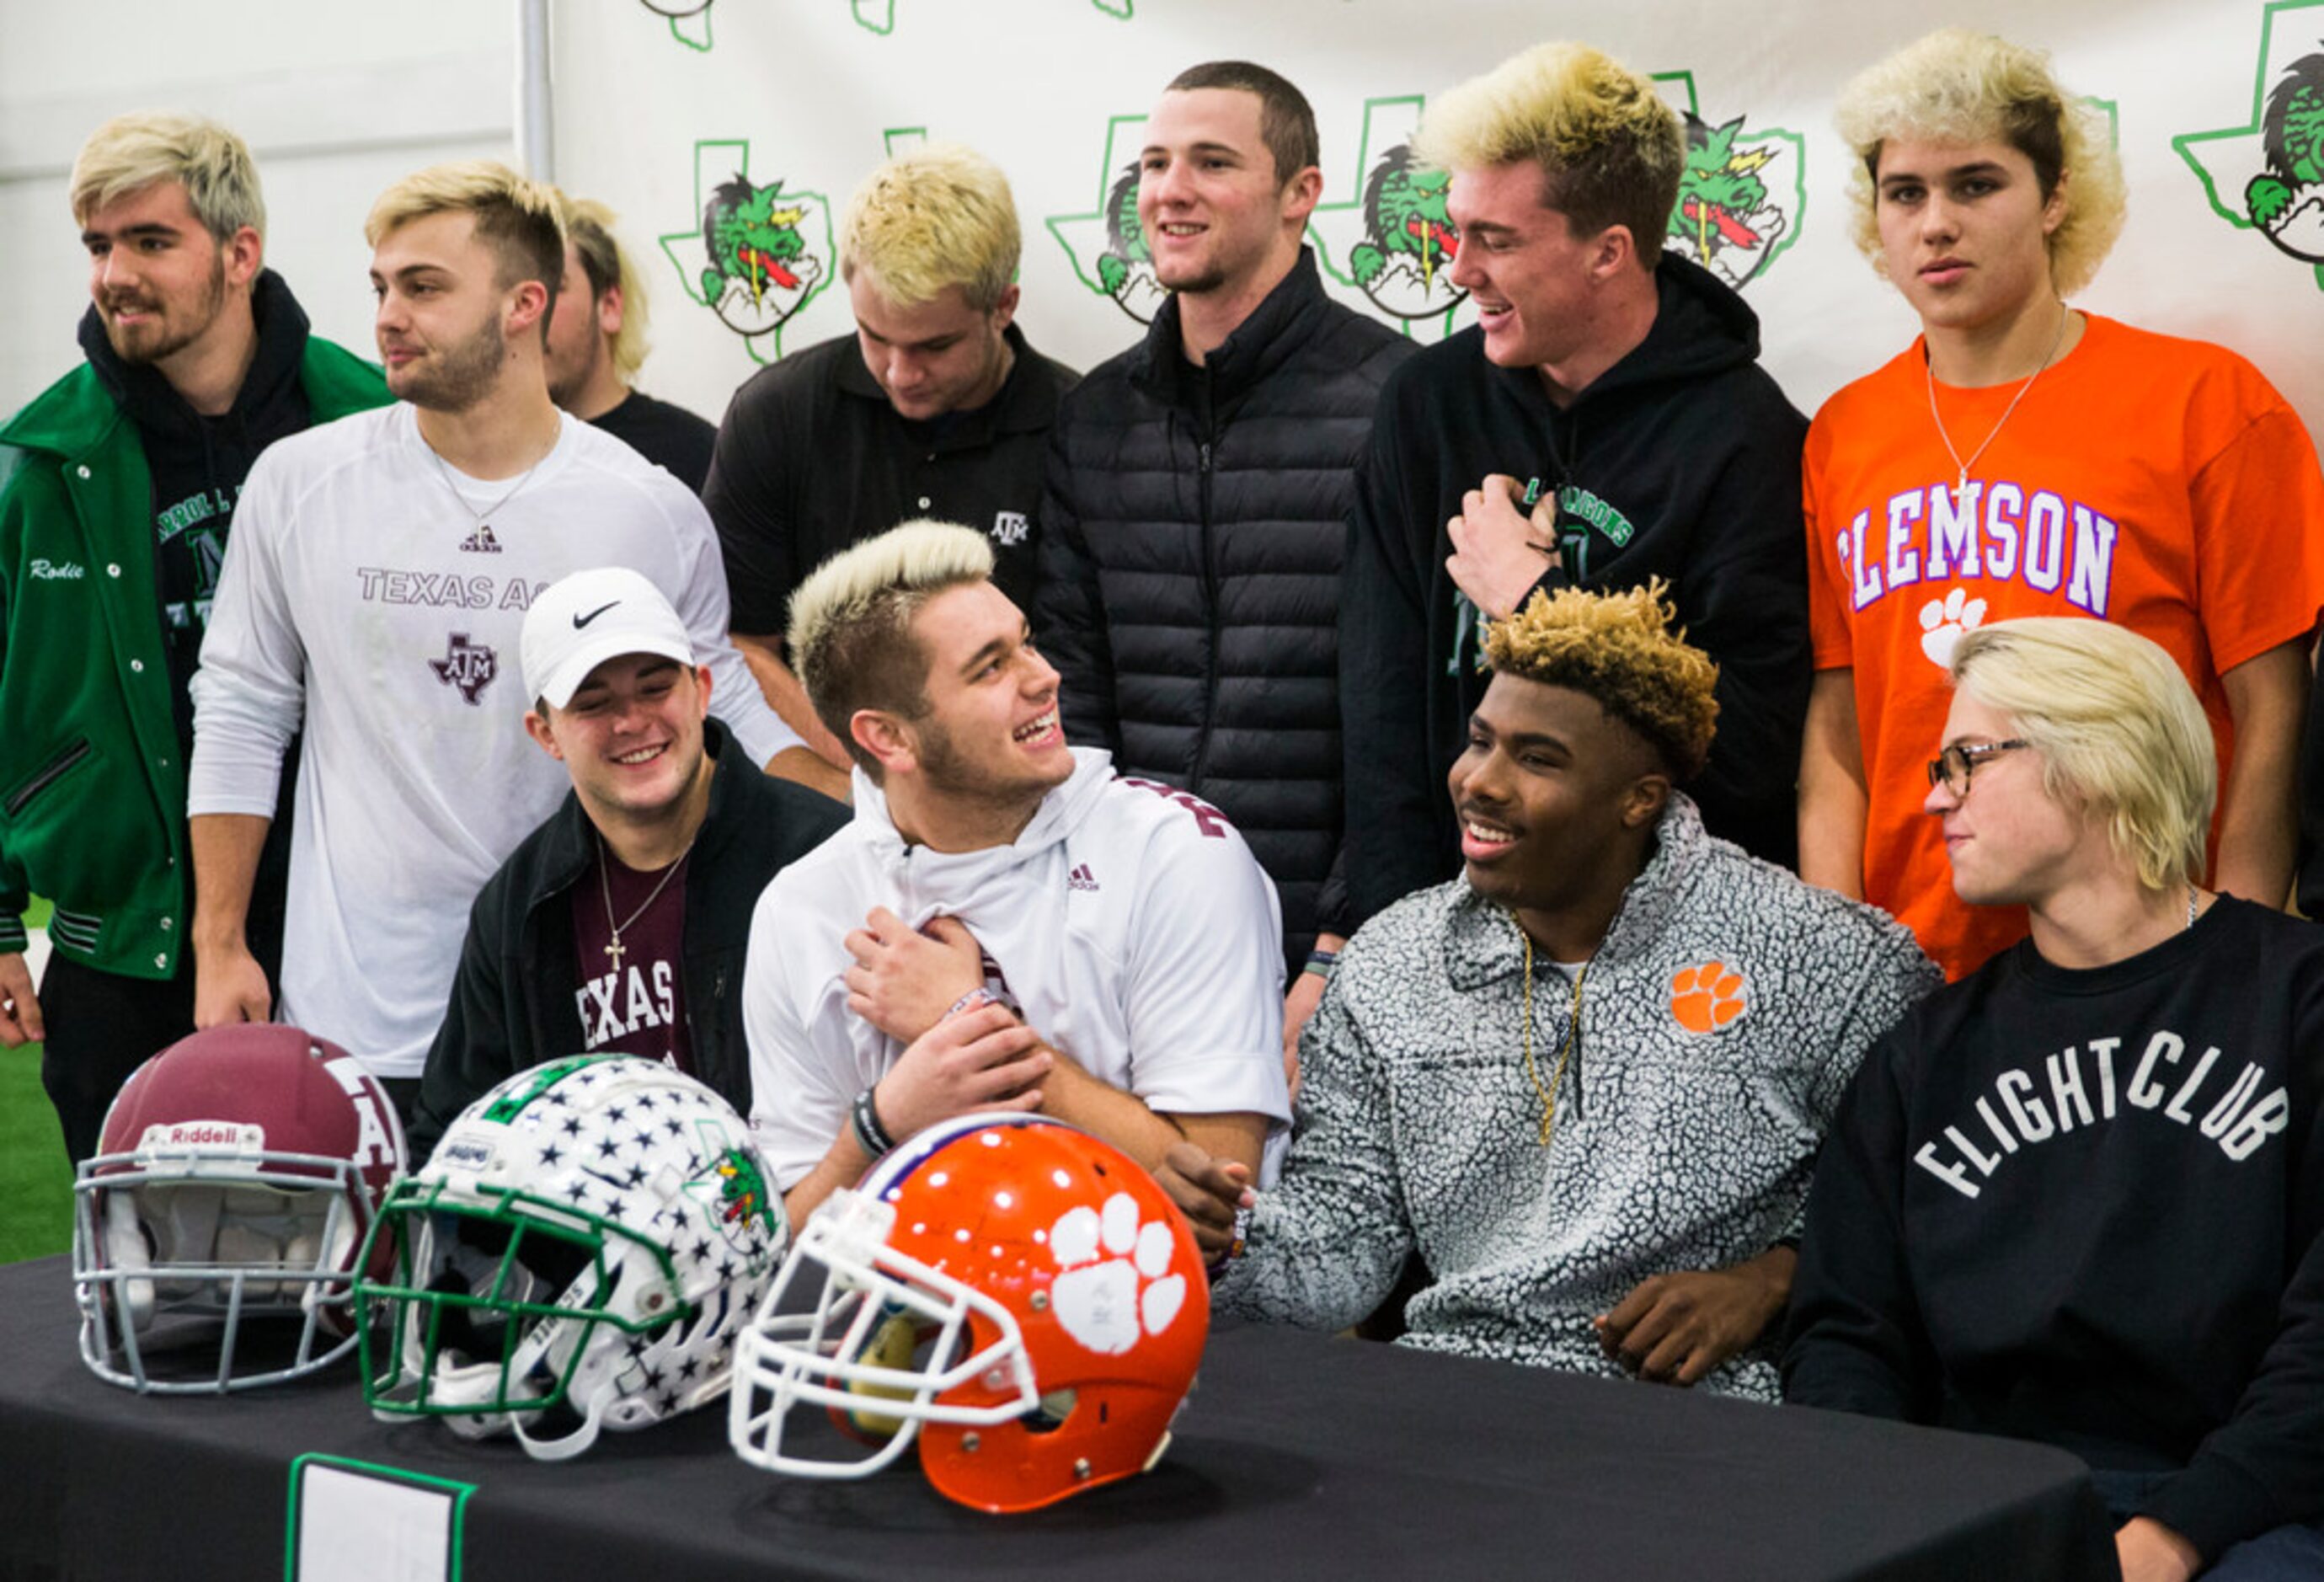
{"points": [[1959, 86], [1610, 150], [1624, 649]]}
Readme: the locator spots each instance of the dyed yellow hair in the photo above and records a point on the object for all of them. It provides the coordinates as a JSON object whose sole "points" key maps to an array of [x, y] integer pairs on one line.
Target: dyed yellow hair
{"points": [[1612, 149], [850, 621], [1956, 87], [940, 216], [2117, 727], [1621, 649], [516, 217], [589, 225], [131, 153]]}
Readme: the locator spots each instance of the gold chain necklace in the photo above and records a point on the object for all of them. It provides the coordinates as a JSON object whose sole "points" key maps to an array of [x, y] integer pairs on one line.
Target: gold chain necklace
{"points": [[616, 949], [1565, 1050], [1928, 368]]}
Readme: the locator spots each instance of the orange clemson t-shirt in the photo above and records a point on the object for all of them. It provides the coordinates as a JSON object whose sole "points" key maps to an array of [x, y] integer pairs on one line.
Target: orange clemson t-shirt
{"points": [[2157, 482]]}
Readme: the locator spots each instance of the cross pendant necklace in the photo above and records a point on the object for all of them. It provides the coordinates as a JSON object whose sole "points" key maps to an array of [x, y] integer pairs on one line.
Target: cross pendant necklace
{"points": [[1928, 367], [614, 949]]}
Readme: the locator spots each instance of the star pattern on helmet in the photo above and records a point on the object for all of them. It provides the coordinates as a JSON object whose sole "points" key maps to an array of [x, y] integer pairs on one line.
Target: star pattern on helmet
{"points": [[551, 1156]]}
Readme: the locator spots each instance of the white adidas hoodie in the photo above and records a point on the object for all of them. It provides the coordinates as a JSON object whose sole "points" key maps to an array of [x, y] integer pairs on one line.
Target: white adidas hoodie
{"points": [[1129, 924]]}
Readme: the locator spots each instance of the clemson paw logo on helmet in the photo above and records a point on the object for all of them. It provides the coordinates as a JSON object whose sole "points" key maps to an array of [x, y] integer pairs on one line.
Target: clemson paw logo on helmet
{"points": [[1116, 1287], [1706, 997]]}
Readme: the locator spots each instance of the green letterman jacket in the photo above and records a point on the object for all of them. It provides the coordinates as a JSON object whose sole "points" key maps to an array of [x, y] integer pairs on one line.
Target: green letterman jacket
{"points": [[92, 784]]}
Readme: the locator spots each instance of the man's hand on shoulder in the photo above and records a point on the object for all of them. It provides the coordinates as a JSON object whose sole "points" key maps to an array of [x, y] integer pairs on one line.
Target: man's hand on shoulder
{"points": [[1209, 1192], [982, 1060], [1675, 1328], [905, 979], [20, 1007], [1498, 552]]}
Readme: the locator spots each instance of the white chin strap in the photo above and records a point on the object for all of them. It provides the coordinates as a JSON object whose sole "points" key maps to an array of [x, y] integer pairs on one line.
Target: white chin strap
{"points": [[478, 1383]]}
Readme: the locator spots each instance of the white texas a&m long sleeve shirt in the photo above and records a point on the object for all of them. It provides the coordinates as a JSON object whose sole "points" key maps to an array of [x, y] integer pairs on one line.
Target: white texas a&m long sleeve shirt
{"points": [[1129, 924], [363, 598]]}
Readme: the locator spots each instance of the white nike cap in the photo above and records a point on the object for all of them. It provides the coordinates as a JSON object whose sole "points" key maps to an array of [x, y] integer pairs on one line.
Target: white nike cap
{"points": [[579, 622]]}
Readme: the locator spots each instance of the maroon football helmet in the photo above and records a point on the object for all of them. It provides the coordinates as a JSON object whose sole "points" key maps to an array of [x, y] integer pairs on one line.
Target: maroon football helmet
{"points": [[230, 1194]]}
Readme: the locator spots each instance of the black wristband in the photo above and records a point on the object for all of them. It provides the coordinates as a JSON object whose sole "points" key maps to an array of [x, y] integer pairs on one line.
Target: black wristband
{"points": [[864, 1119]]}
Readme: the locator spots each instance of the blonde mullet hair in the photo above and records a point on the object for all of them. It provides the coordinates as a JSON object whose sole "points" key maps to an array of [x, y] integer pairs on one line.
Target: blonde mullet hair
{"points": [[850, 621], [1612, 149], [2117, 727], [1957, 86], [132, 152], [938, 216], [589, 228]]}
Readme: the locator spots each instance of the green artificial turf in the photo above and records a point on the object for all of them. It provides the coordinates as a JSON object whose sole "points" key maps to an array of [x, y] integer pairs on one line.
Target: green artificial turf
{"points": [[35, 1179]]}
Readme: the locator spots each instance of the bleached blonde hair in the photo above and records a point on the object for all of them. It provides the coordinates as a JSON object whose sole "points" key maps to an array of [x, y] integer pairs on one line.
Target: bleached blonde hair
{"points": [[1612, 150], [1957, 86], [2116, 726], [516, 217], [589, 227], [131, 153], [939, 215], [850, 621], [1625, 649]]}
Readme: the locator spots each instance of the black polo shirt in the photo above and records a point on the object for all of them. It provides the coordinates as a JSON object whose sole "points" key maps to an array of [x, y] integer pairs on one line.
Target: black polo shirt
{"points": [[812, 460], [668, 435]]}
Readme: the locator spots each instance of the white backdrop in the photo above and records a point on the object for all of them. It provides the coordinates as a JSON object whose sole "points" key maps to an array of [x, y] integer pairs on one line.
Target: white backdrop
{"points": [[339, 97], [655, 112]]}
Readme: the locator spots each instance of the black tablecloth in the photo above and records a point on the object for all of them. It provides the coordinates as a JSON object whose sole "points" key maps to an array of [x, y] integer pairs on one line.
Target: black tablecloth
{"points": [[1299, 1456]]}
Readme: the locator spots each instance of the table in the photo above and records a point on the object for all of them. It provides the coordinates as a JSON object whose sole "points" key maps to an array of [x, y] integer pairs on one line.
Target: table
{"points": [[1300, 1455]]}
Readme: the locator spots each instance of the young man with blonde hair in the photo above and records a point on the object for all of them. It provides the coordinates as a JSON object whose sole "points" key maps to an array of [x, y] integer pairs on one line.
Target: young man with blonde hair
{"points": [[118, 487], [597, 343], [1605, 423], [2076, 1197], [1584, 1082], [935, 406], [1006, 924], [377, 592], [2025, 458], [1195, 523]]}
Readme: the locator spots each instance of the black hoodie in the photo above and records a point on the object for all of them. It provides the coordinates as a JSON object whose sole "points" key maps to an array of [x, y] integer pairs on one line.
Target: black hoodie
{"points": [[198, 466], [198, 463], [1681, 461]]}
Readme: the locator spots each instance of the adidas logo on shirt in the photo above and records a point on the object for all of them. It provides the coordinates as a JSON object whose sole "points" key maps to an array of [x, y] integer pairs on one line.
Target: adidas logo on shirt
{"points": [[481, 542], [1081, 878]]}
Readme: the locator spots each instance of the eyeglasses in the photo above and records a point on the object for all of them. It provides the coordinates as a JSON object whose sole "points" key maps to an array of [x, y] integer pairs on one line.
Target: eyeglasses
{"points": [[1952, 767]]}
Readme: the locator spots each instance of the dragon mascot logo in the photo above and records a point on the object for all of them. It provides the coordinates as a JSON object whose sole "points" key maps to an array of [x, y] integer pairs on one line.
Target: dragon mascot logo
{"points": [[1392, 246], [1741, 193], [1107, 245], [2268, 176], [761, 251]]}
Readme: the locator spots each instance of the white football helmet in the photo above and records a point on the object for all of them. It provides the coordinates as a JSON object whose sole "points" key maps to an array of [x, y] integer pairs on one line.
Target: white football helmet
{"points": [[578, 1254]]}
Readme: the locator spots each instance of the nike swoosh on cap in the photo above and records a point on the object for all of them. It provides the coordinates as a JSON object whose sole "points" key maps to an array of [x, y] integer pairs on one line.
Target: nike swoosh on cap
{"points": [[581, 620]]}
